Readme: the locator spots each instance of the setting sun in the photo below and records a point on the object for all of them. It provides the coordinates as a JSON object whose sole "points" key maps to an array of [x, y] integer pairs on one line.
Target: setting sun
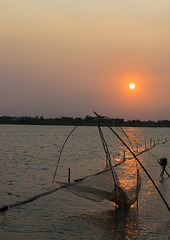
{"points": [[132, 86]]}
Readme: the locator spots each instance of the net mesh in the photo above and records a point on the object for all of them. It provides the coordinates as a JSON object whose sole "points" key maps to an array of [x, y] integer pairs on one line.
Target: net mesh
{"points": [[101, 186], [119, 184]]}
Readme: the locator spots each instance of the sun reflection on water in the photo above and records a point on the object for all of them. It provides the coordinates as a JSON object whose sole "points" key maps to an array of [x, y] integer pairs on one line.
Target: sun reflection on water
{"points": [[116, 224]]}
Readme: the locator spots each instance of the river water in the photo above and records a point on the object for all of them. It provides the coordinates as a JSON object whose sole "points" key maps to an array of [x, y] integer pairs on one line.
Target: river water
{"points": [[28, 156]]}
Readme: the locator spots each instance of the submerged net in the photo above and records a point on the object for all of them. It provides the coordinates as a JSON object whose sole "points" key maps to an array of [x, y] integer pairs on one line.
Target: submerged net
{"points": [[101, 186], [119, 184]]}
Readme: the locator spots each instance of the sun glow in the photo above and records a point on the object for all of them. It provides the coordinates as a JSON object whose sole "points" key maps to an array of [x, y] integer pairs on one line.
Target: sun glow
{"points": [[132, 86]]}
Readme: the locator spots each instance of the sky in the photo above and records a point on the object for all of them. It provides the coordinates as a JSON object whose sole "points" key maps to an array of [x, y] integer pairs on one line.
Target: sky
{"points": [[71, 57]]}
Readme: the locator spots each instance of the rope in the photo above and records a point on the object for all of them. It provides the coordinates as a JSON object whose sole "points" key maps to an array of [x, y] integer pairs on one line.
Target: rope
{"points": [[62, 151], [10, 206], [107, 154], [6, 207], [166, 140], [91, 118], [137, 160]]}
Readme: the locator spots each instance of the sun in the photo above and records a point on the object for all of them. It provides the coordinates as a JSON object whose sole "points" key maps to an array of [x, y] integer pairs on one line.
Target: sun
{"points": [[132, 86]]}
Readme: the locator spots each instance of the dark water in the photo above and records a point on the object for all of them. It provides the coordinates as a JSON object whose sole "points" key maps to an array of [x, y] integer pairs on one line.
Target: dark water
{"points": [[28, 156]]}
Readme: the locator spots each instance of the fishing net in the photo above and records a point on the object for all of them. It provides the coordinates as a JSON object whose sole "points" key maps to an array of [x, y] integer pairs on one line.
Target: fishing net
{"points": [[101, 186], [119, 183]]}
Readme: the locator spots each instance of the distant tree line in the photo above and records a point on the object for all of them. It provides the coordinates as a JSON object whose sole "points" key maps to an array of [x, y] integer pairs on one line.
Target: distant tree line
{"points": [[87, 121]]}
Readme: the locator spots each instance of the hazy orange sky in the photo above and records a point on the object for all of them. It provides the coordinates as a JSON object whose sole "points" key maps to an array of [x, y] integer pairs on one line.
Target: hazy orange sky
{"points": [[70, 57]]}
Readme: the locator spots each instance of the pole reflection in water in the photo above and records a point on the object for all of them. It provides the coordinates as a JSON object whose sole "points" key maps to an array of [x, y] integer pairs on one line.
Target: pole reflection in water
{"points": [[105, 222], [28, 154]]}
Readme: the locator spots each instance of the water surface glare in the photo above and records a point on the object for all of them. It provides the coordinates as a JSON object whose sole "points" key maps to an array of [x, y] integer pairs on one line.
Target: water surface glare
{"points": [[28, 156]]}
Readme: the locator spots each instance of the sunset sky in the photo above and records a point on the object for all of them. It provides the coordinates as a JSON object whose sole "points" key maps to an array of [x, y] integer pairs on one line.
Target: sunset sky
{"points": [[70, 57]]}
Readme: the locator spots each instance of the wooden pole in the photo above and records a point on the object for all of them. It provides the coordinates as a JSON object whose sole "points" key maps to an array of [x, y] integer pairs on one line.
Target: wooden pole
{"points": [[137, 161], [69, 175], [150, 142], [124, 155]]}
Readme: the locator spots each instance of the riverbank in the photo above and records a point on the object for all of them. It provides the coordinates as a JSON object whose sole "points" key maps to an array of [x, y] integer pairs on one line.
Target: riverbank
{"points": [[87, 121]]}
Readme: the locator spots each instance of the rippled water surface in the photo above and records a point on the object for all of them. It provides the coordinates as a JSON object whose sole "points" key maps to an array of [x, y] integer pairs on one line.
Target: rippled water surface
{"points": [[28, 156]]}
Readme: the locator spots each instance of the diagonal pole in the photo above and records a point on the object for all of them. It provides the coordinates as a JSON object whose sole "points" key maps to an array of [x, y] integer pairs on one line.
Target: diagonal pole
{"points": [[136, 159]]}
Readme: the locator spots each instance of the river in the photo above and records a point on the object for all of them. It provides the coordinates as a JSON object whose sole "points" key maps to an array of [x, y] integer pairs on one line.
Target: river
{"points": [[28, 157]]}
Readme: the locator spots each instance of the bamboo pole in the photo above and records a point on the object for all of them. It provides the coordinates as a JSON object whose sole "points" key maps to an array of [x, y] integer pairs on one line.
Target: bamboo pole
{"points": [[137, 161]]}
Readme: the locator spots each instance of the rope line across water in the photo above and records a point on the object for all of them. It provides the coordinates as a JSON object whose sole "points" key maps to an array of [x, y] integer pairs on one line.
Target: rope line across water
{"points": [[6, 207]]}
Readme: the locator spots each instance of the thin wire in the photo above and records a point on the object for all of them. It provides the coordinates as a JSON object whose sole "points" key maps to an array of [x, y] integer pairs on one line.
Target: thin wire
{"points": [[90, 118], [148, 151], [137, 160], [10, 206], [61, 152], [107, 154]]}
